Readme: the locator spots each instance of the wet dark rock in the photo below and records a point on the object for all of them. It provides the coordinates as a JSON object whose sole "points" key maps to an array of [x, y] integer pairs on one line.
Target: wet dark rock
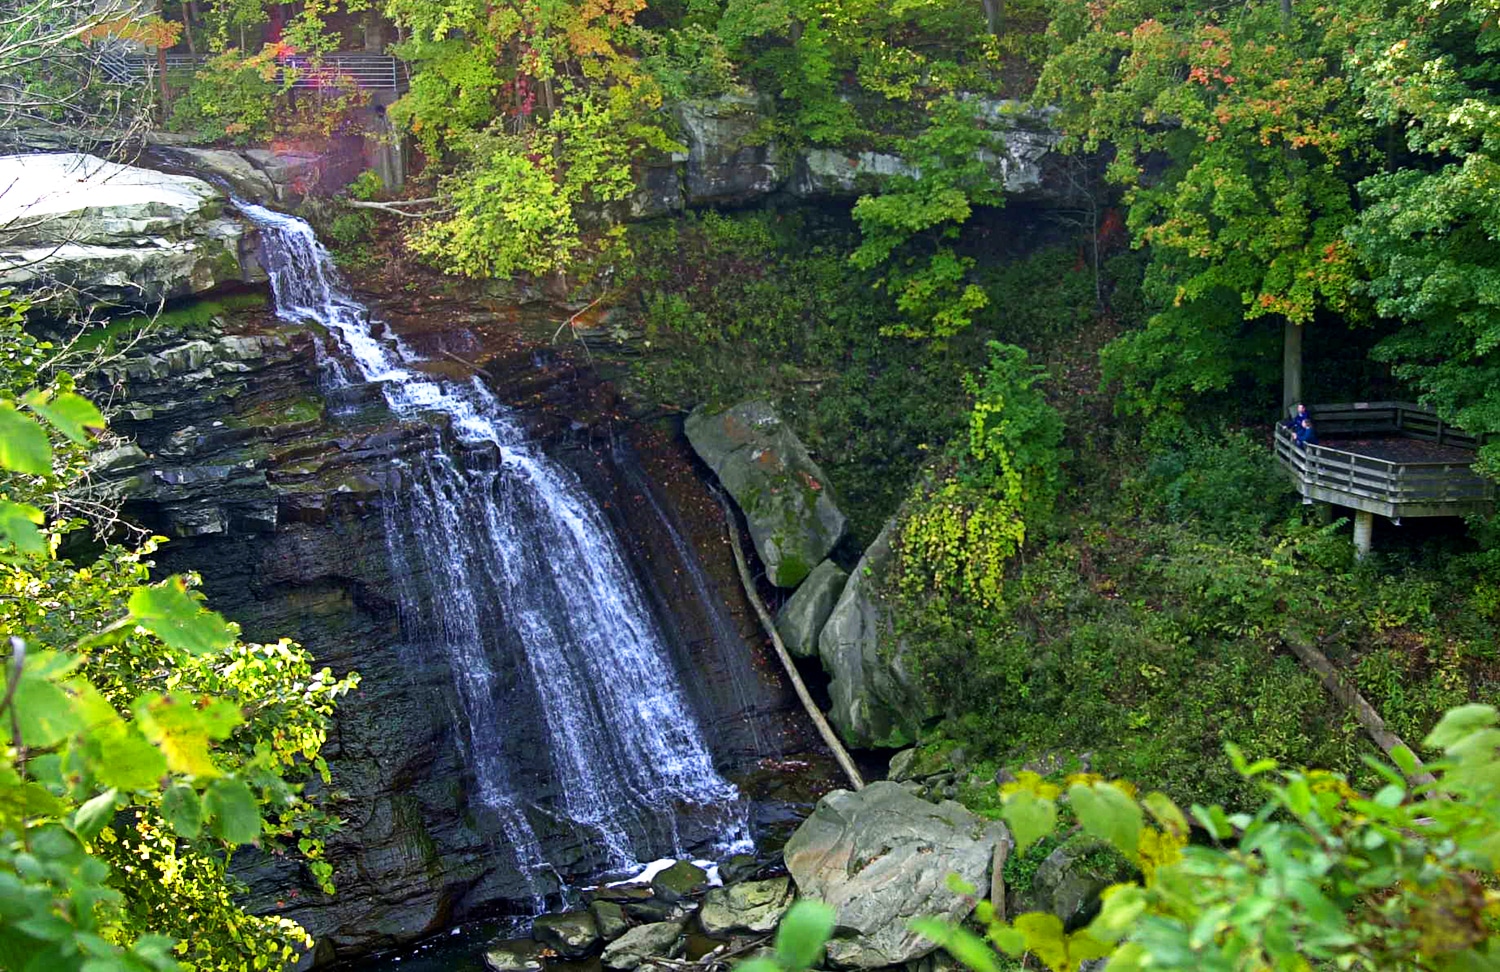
{"points": [[572, 934], [656, 910], [738, 867], [610, 919]]}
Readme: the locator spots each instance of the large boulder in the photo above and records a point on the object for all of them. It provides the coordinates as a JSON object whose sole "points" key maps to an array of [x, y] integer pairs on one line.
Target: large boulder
{"points": [[755, 906], [875, 698], [801, 619], [787, 500], [100, 232], [882, 857], [662, 938]]}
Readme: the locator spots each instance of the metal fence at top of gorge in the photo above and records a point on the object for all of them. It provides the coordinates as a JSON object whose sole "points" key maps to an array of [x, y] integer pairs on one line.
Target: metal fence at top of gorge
{"points": [[368, 71]]}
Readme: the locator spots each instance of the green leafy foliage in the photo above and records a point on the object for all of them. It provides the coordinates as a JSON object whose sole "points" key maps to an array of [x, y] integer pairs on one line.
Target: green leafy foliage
{"points": [[903, 228], [1427, 233], [143, 740], [800, 938], [958, 537]]}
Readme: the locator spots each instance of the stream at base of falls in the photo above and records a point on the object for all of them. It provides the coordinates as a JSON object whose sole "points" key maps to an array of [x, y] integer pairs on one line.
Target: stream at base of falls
{"points": [[508, 573]]}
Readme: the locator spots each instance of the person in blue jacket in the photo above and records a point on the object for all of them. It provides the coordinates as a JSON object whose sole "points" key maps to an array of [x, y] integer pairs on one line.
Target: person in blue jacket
{"points": [[1305, 433], [1295, 422]]}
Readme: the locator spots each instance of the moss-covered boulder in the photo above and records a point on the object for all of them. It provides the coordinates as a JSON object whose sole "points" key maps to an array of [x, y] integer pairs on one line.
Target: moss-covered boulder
{"points": [[787, 500], [679, 881], [515, 955], [875, 699], [755, 906], [610, 919], [801, 619], [1070, 879]]}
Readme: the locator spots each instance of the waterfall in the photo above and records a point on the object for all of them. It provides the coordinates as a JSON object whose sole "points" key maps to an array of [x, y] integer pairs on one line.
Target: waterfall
{"points": [[506, 569]]}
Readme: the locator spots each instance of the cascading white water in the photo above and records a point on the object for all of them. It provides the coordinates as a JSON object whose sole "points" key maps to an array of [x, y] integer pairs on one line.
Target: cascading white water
{"points": [[523, 576]]}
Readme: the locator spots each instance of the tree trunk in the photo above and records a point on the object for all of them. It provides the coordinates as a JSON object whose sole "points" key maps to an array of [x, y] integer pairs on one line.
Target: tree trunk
{"points": [[1291, 366], [994, 14], [161, 74], [187, 28]]}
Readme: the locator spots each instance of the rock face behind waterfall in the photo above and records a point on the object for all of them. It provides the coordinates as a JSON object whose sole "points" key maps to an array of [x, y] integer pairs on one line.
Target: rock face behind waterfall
{"points": [[785, 496], [108, 233], [882, 857], [275, 490]]}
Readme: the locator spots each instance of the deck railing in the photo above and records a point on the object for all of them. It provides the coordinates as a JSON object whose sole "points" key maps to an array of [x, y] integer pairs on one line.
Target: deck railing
{"points": [[1389, 418], [1384, 486], [368, 71]]}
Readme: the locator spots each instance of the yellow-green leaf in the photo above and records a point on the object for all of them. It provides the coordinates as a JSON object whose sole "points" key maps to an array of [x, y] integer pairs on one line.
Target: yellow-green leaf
{"points": [[232, 811], [23, 445], [169, 612], [72, 415], [1108, 813], [1029, 816], [18, 524]]}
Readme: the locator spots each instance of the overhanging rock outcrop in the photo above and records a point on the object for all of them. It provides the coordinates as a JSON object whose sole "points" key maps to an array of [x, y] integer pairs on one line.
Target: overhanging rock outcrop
{"points": [[732, 160], [87, 231]]}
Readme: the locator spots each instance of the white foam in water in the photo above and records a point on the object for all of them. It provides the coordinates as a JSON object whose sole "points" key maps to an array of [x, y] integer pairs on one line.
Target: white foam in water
{"points": [[520, 559], [651, 870]]}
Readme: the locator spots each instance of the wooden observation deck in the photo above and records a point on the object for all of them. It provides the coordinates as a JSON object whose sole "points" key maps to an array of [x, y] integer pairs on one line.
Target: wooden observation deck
{"points": [[1394, 459]]}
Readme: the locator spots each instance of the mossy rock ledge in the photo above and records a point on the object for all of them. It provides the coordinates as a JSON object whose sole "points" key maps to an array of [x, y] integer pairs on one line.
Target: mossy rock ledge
{"points": [[788, 502]]}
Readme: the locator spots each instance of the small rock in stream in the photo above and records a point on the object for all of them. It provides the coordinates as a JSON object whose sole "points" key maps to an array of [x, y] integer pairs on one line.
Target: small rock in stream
{"points": [[679, 881], [643, 942], [610, 919], [519, 955], [572, 934]]}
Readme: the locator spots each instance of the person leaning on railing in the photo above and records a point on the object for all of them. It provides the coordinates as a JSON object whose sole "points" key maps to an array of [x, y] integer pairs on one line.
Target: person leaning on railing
{"points": [[1305, 434]]}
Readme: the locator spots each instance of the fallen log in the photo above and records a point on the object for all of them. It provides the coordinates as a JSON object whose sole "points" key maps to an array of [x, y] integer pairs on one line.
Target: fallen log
{"points": [[747, 581]]}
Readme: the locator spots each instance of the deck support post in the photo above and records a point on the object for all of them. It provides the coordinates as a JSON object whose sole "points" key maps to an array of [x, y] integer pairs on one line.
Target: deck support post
{"points": [[1364, 527]]}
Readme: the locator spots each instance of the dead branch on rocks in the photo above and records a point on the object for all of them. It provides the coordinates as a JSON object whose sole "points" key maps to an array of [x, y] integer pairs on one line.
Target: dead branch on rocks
{"points": [[766, 622]]}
